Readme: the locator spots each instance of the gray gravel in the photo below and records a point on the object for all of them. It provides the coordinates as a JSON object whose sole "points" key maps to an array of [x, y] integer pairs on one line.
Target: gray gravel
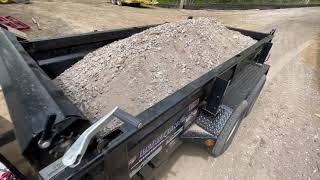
{"points": [[137, 72]]}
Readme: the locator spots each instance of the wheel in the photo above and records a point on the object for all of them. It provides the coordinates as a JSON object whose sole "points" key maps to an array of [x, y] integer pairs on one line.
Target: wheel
{"points": [[227, 134], [119, 2], [114, 1]]}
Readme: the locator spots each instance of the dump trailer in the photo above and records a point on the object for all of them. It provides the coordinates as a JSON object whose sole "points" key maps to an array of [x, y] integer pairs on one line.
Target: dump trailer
{"points": [[61, 143]]}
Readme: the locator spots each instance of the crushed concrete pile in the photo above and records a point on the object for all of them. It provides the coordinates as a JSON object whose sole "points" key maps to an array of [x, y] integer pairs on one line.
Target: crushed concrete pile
{"points": [[137, 72]]}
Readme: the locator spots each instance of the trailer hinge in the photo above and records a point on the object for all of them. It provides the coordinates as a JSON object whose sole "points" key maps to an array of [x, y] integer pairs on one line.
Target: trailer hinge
{"points": [[48, 133]]}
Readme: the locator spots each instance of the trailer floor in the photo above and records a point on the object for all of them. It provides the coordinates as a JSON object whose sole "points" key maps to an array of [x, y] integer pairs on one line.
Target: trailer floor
{"points": [[278, 140]]}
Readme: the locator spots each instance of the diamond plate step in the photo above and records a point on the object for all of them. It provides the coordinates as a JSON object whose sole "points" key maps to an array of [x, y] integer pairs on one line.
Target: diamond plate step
{"points": [[214, 123]]}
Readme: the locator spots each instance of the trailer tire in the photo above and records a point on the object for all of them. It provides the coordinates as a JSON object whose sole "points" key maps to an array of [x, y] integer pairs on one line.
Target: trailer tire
{"points": [[114, 1], [228, 132]]}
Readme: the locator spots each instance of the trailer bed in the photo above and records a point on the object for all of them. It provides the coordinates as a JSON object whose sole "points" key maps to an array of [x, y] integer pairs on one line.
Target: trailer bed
{"points": [[208, 109]]}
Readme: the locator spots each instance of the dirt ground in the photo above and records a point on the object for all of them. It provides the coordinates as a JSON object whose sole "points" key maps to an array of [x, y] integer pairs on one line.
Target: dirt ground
{"points": [[279, 139]]}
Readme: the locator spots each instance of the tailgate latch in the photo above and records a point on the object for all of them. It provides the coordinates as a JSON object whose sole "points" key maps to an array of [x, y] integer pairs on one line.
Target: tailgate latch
{"points": [[75, 153]]}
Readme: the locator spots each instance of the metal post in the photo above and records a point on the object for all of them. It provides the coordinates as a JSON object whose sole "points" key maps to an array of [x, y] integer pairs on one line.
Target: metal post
{"points": [[181, 4]]}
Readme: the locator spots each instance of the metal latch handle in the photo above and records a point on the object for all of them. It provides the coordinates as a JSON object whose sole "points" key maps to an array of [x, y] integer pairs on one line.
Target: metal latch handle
{"points": [[75, 153]]}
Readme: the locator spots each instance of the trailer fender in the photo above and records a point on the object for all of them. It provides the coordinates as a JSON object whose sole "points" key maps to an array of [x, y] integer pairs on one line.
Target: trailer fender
{"points": [[228, 132], [253, 96]]}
